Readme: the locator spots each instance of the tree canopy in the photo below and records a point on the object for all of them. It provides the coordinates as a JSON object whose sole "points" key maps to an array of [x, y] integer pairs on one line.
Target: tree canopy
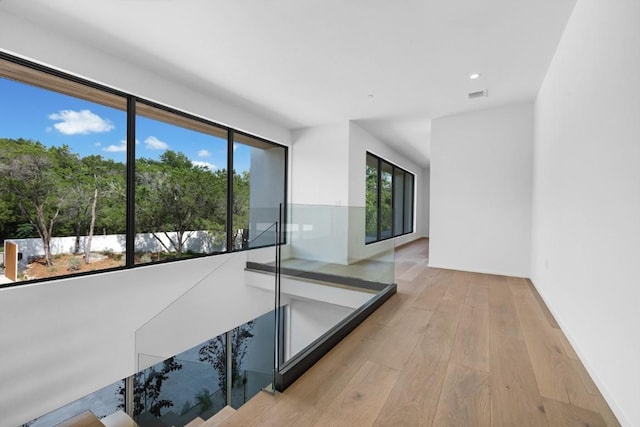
{"points": [[51, 191]]}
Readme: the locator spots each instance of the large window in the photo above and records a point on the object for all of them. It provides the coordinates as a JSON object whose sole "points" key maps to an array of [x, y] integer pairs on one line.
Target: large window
{"points": [[389, 200], [96, 179], [63, 188]]}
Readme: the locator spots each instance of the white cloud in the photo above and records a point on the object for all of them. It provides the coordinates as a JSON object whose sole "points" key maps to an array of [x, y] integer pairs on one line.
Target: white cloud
{"points": [[204, 153], [80, 122], [97, 144], [205, 165], [116, 148], [153, 143]]}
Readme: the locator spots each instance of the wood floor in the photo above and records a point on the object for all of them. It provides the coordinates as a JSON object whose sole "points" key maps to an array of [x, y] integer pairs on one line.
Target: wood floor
{"points": [[450, 349]]}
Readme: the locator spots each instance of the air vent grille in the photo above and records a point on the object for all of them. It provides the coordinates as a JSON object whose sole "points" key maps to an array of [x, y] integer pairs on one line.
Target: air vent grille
{"points": [[478, 94]]}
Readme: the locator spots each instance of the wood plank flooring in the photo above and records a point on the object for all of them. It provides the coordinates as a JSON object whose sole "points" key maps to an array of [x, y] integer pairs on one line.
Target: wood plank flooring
{"points": [[451, 348]]}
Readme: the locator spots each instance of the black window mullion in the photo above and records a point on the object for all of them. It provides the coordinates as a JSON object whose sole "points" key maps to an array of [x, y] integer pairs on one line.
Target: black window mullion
{"points": [[405, 224], [130, 227], [393, 201], [230, 138], [405, 184], [404, 202], [379, 201]]}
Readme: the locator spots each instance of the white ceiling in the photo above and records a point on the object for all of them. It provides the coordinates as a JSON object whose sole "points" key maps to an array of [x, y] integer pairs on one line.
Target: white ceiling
{"points": [[310, 62]]}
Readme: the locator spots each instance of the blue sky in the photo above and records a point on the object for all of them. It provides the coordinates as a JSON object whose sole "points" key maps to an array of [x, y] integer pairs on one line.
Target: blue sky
{"points": [[89, 128]]}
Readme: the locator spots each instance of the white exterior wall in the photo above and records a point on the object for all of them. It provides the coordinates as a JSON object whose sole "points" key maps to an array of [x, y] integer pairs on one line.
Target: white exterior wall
{"points": [[199, 241], [481, 168], [586, 199]]}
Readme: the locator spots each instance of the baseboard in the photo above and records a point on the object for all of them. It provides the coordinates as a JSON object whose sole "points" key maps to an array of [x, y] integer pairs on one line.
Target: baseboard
{"points": [[617, 411], [478, 270]]}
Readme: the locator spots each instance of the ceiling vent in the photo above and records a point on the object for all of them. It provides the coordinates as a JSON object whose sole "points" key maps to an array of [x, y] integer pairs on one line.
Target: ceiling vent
{"points": [[478, 94]]}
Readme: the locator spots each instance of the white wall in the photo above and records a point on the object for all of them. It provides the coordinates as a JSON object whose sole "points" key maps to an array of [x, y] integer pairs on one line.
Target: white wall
{"points": [[481, 168], [319, 159], [329, 170], [319, 165], [22, 38], [586, 204], [426, 201], [63, 339]]}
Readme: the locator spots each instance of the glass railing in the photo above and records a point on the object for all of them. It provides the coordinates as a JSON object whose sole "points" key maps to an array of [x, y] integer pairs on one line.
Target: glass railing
{"points": [[101, 403], [327, 275], [216, 303], [190, 385], [228, 369], [306, 278], [303, 279], [213, 372], [315, 271], [331, 240]]}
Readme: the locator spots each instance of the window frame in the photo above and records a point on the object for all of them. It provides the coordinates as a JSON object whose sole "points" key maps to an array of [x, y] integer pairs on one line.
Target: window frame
{"points": [[34, 74], [407, 220]]}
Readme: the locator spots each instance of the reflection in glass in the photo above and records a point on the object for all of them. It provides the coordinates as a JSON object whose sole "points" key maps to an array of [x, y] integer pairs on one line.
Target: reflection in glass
{"points": [[252, 358], [199, 382], [338, 272]]}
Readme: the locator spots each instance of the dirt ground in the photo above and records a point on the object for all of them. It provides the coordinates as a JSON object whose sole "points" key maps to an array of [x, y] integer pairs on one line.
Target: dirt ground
{"points": [[65, 264]]}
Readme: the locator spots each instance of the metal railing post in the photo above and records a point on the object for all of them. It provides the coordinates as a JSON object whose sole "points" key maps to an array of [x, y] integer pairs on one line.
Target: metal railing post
{"points": [[128, 395]]}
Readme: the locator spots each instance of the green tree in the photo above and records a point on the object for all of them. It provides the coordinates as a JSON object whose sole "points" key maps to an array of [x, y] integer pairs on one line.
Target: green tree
{"points": [[8, 220], [386, 204], [174, 198], [371, 209], [95, 182], [36, 176]]}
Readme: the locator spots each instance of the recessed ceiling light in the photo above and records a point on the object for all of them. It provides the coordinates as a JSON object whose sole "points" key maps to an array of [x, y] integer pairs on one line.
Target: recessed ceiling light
{"points": [[474, 76]]}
